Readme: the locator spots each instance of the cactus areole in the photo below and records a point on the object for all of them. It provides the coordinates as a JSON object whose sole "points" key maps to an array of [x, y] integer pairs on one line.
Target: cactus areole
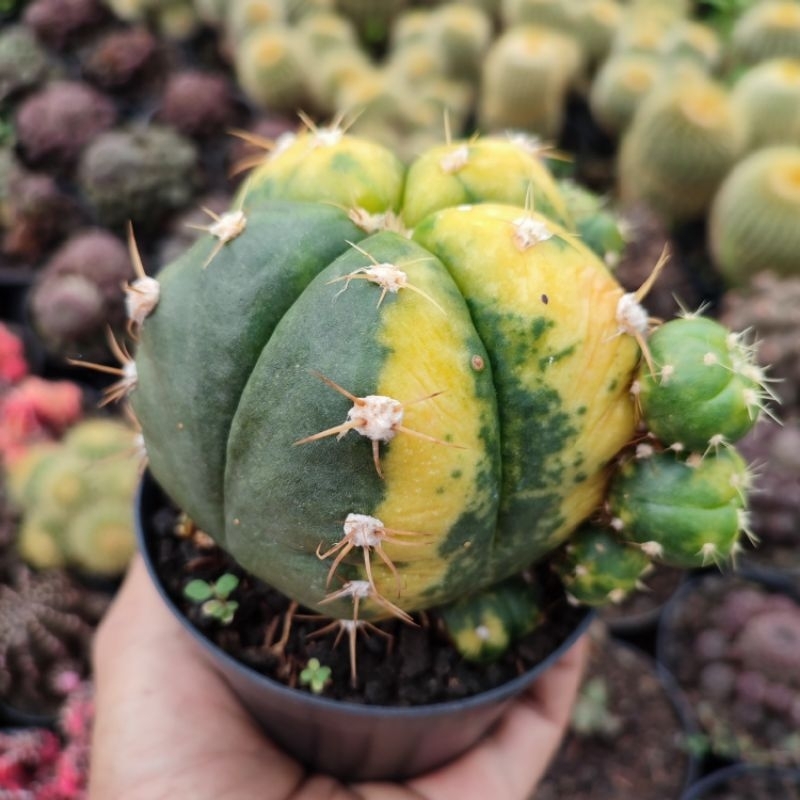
{"points": [[376, 420]]}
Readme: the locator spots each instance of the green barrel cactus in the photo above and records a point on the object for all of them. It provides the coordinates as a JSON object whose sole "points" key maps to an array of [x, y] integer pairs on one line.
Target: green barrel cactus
{"points": [[380, 406], [767, 30], [753, 221]]}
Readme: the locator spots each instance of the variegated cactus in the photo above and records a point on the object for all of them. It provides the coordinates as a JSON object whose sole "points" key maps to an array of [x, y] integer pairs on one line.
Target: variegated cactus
{"points": [[384, 390]]}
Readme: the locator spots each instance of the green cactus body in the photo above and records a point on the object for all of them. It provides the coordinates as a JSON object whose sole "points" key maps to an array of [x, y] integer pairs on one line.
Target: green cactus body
{"points": [[767, 30], [619, 86], [483, 626], [526, 75], [768, 98], [327, 32], [687, 514], [681, 143], [452, 401], [753, 220], [693, 41], [549, 13], [271, 67], [328, 165], [244, 16], [595, 24], [704, 390], [501, 170], [597, 567]]}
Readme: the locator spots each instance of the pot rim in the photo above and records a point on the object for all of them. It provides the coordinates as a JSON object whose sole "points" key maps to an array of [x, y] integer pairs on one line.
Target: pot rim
{"points": [[506, 691], [719, 776]]}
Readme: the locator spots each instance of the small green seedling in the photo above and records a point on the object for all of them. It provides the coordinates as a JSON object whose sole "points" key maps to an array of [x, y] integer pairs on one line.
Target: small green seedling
{"points": [[214, 596], [591, 715], [316, 676]]}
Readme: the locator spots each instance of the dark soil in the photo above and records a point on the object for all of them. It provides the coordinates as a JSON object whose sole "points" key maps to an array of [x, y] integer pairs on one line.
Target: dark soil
{"points": [[410, 666], [644, 759]]}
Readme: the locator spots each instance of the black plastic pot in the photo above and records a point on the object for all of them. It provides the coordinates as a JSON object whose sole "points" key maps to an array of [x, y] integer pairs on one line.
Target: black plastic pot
{"points": [[344, 739], [783, 783]]}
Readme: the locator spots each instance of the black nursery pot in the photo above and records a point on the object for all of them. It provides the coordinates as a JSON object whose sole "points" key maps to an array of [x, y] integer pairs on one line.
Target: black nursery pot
{"points": [[345, 739], [780, 784]]}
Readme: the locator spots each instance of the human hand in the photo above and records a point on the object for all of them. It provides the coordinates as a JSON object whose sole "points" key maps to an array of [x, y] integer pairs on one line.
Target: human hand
{"points": [[167, 726]]}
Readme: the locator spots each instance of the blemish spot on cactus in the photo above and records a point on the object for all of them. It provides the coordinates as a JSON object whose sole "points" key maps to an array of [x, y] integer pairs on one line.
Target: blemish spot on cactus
{"points": [[545, 299], [477, 363], [142, 293], [709, 359], [388, 276], [368, 533], [455, 160], [377, 417]]}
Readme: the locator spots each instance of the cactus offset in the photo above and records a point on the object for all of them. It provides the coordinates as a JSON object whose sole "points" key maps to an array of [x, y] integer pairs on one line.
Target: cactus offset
{"points": [[396, 388]]}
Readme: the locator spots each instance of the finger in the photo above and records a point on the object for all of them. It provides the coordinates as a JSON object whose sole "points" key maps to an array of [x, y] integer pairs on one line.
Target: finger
{"points": [[165, 718], [513, 758]]}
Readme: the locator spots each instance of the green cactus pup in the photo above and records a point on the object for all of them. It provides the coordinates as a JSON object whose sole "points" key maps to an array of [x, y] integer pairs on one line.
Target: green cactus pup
{"points": [[753, 219], [325, 397], [685, 513], [701, 387], [597, 567]]}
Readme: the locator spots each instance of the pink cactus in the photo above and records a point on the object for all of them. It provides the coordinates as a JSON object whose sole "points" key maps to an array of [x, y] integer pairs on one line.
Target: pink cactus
{"points": [[13, 366]]}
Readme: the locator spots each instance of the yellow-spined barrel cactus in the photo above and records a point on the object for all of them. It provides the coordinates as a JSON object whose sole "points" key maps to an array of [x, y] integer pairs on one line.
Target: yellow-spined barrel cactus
{"points": [[753, 222], [380, 404]]}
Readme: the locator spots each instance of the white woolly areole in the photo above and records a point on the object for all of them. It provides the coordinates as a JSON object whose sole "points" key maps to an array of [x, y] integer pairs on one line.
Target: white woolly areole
{"points": [[530, 144], [327, 137], [283, 143], [139, 446], [387, 276], [363, 530], [378, 417], [632, 317], [372, 223], [141, 297], [455, 160], [529, 231], [360, 589], [130, 376], [229, 225]]}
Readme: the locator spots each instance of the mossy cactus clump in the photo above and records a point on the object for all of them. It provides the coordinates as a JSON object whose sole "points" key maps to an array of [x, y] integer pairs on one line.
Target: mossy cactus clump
{"points": [[767, 97], [753, 220], [23, 61], [78, 293], [413, 402], [75, 498], [197, 103], [682, 142], [138, 175], [57, 122]]}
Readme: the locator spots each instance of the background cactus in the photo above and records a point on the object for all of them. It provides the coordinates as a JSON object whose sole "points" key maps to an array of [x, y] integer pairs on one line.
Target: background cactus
{"points": [[752, 225], [75, 498], [481, 318]]}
